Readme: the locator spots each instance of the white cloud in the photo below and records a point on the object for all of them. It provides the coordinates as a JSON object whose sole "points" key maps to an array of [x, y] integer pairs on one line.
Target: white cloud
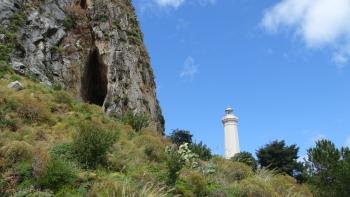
{"points": [[190, 69], [169, 3], [175, 4], [320, 23]]}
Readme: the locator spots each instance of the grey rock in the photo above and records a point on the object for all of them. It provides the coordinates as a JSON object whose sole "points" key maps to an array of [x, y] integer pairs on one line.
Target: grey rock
{"points": [[15, 85], [18, 67], [102, 60]]}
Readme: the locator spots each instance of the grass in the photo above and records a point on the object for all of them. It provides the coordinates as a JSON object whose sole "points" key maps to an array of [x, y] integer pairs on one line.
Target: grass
{"points": [[56, 136]]}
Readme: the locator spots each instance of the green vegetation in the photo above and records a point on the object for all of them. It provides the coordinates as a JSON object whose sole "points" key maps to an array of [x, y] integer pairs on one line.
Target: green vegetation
{"points": [[201, 150], [280, 157], [179, 137], [247, 158], [91, 143], [137, 121], [62, 147], [329, 169]]}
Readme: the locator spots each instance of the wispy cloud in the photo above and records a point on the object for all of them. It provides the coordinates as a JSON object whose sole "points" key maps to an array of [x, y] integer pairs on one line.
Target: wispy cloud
{"points": [[169, 3], [190, 68], [173, 4], [319, 23]]}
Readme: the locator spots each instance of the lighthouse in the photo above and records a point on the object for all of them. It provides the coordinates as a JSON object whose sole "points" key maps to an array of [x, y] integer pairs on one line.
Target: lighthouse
{"points": [[231, 133]]}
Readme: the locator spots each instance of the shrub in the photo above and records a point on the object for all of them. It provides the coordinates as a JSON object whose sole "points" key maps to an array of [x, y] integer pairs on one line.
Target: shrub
{"points": [[228, 171], [201, 150], [153, 145], [62, 97], [32, 110], [285, 185], [174, 164], [40, 160], [191, 183], [16, 151], [31, 192], [59, 173], [256, 187], [25, 171], [63, 151], [247, 158], [137, 121], [4, 67], [91, 143]]}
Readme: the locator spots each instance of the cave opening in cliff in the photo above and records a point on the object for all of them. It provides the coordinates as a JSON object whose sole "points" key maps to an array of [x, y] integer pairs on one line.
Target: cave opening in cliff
{"points": [[83, 4], [94, 80]]}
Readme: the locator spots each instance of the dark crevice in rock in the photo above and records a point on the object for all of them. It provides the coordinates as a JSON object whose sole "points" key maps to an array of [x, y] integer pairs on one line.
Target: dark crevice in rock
{"points": [[94, 79], [83, 4]]}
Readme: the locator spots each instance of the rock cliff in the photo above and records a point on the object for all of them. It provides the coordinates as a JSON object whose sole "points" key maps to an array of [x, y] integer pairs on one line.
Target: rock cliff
{"points": [[93, 48]]}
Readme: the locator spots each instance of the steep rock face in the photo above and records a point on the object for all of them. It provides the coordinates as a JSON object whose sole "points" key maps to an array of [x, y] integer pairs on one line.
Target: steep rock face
{"points": [[93, 48]]}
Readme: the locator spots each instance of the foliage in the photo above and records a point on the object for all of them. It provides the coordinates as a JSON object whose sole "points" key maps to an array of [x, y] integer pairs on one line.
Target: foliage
{"points": [[202, 150], [179, 137], [329, 169], [137, 121], [16, 151], [32, 192], [63, 151], [228, 171], [174, 164], [70, 134], [69, 22], [278, 156], [32, 110], [247, 158], [191, 183], [59, 173], [91, 144]]}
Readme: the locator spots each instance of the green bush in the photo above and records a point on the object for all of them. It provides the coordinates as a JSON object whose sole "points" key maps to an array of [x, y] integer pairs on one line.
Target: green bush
{"points": [[4, 67], [174, 165], [229, 172], [247, 158], [16, 151], [201, 150], [59, 173], [63, 97], [91, 143], [191, 183], [256, 187], [137, 121], [63, 151], [31, 192], [25, 171]]}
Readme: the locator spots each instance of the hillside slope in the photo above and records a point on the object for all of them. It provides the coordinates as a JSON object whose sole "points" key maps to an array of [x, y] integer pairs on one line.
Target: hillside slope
{"points": [[54, 145]]}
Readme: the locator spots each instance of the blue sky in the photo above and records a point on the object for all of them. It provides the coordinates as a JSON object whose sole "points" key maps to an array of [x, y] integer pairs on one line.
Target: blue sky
{"points": [[282, 66]]}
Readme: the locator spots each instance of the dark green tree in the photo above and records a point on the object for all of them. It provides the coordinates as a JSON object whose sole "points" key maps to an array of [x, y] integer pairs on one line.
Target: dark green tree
{"points": [[280, 157], [179, 136], [329, 169], [247, 158], [202, 150]]}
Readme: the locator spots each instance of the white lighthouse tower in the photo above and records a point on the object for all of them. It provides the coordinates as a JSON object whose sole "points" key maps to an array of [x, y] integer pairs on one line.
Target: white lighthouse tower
{"points": [[231, 133]]}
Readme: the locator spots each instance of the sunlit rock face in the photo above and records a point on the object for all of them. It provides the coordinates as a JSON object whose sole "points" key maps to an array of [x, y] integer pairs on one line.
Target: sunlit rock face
{"points": [[93, 48]]}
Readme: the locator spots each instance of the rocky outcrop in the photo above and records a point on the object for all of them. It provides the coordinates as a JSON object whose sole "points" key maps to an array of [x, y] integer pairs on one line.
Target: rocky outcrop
{"points": [[93, 48]]}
